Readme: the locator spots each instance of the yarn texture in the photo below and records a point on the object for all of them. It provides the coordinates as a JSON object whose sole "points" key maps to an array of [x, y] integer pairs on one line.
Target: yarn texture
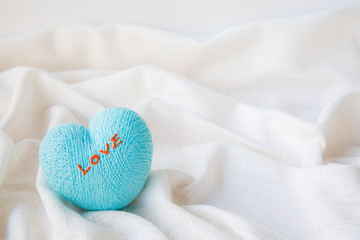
{"points": [[103, 167]]}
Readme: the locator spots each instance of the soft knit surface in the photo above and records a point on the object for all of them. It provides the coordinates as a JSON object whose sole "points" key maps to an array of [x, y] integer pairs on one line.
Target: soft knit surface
{"points": [[103, 168]]}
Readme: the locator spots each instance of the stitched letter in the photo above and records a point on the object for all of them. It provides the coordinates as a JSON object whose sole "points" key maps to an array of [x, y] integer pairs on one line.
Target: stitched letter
{"points": [[84, 172], [114, 139], [107, 150], [92, 158]]}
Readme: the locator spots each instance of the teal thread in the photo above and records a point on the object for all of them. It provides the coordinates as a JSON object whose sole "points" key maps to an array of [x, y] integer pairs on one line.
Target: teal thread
{"points": [[117, 178]]}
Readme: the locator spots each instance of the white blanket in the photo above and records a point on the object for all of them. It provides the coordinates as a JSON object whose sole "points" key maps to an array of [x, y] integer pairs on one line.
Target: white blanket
{"points": [[256, 130]]}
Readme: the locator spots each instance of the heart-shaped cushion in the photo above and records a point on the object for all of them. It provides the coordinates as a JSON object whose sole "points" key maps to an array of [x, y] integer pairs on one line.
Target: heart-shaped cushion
{"points": [[103, 167]]}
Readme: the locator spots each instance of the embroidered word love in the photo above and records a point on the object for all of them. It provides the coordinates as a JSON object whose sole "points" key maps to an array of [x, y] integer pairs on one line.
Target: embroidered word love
{"points": [[96, 158]]}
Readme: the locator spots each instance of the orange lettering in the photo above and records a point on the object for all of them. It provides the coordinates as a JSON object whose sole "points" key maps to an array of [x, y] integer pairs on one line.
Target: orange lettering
{"points": [[114, 139], [92, 158], [107, 150], [84, 172]]}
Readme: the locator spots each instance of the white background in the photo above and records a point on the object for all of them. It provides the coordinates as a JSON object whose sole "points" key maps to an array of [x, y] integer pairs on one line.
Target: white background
{"points": [[183, 16]]}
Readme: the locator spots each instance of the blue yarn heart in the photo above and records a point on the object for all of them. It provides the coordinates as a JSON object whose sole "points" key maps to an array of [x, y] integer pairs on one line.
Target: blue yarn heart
{"points": [[76, 164]]}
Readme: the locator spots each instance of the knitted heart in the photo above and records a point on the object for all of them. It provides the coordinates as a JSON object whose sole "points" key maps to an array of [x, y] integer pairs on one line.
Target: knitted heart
{"points": [[103, 167]]}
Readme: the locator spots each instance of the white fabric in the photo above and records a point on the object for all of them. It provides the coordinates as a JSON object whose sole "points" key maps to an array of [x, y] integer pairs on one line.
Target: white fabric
{"points": [[256, 130]]}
